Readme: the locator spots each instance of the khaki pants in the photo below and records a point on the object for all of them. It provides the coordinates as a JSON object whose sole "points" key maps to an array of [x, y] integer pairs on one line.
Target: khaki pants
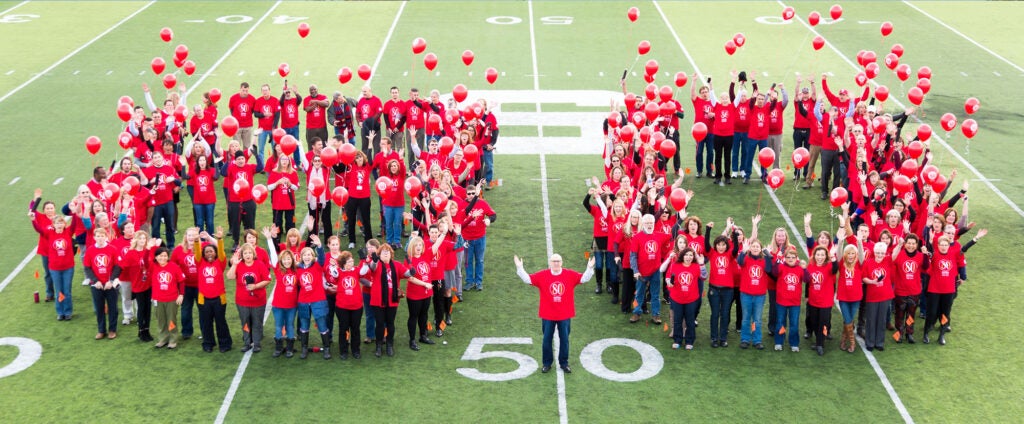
{"points": [[166, 315], [244, 136], [815, 152]]}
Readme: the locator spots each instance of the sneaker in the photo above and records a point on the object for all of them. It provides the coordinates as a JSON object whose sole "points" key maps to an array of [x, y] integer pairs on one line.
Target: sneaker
{"points": [[723, 343], [656, 319], [778, 348], [126, 321], [759, 346], [675, 345], [795, 349], [744, 345], [351, 245], [699, 175], [746, 180], [632, 319], [714, 344], [689, 347]]}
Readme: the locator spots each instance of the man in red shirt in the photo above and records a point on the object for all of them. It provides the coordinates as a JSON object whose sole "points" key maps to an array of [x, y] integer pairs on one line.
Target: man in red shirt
{"points": [[803, 105], [416, 120], [163, 180], [395, 113], [241, 105], [267, 109], [557, 287], [290, 101], [315, 106], [646, 255], [368, 112], [479, 216]]}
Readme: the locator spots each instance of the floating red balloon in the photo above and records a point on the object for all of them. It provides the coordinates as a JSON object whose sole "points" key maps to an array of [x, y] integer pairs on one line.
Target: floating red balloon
{"points": [[627, 133], [871, 70], [329, 156], [447, 145], [467, 57], [259, 193], [317, 186], [925, 85], [459, 93], [651, 91], [909, 167], [170, 81], [339, 196], [214, 95], [638, 119], [730, 47], [678, 198], [897, 49], [347, 153], [93, 144], [916, 148], [940, 183], [303, 29], [430, 61], [181, 52], [127, 100], [180, 112], [491, 74], [665, 94], [413, 186], [283, 70], [739, 39], [418, 45], [645, 134], [886, 28], [434, 123], [657, 138], [948, 121], [969, 127], [651, 67], [766, 157], [930, 173], [158, 65], [667, 107], [277, 134], [861, 78], [364, 72], [903, 72], [972, 105], [651, 111], [643, 47], [801, 157], [470, 152], [438, 199], [788, 12], [924, 72], [189, 67], [241, 187], [680, 79], [814, 18], [902, 183], [648, 78], [630, 100], [869, 57], [892, 61], [344, 75], [699, 130], [915, 95], [124, 140], [229, 125], [882, 93], [167, 35], [633, 13], [836, 11], [178, 62], [818, 42], [878, 125], [110, 190], [124, 111], [838, 197], [775, 178], [613, 120]]}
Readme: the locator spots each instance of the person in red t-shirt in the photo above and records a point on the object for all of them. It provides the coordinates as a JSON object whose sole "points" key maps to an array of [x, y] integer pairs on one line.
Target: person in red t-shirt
{"points": [[164, 180], [877, 274], [395, 114], [646, 253], [804, 125], [908, 265], [267, 109], [683, 269], [557, 288], [703, 111], [241, 207], [385, 275], [418, 295], [185, 258], [479, 216], [168, 285], [348, 305], [241, 106], [252, 277], [99, 266], [368, 112], [315, 106], [210, 263]]}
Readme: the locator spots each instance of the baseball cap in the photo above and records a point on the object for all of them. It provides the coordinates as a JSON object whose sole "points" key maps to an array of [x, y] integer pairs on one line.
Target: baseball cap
{"points": [[843, 92]]}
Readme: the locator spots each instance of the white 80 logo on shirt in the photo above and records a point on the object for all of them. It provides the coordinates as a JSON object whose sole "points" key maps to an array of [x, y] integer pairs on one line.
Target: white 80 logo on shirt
{"points": [[203, 180], [557, 289], [307, 281], [423, 268], [945, 265], [60, 244], [909, 267], [651, 247], [721, 262], [685, 279], [348, 282], [209, 272], [163, 278], [755, 272], [101, 261]]}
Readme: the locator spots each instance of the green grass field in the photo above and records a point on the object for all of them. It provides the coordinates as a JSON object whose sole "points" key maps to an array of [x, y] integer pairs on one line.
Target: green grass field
{"points": [[66, 64]]}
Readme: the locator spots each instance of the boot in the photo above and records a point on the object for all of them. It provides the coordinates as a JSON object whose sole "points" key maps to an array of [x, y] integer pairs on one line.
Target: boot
{"points": [[376, 351], [613, 288], [844, 341], [851, 339], [343, 348], [325, 339], [391, 348], [597, 290], [412, 345], [304, 339], [289, 350], [278, 347], [942, 336], [927, 339]]}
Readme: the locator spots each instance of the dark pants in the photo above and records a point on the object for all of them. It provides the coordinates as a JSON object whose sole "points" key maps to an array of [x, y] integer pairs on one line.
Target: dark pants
{"points": [[385, 320], [212, 316], [189, 299], [285, 220], [801, 138], [241, 214], [675, 158], [358, 210], [549, 327], [820, 319], [440, 300], [723, 150], [331, 309], [418, 312], [720, 299], [939, 305], [164, 213], [739, 308], [684, 313], [773, 312], [104, 302], [829, 169], [628, 290], [348, 322], [145, 311], [321, 215], [906, 307], [705, 154]]}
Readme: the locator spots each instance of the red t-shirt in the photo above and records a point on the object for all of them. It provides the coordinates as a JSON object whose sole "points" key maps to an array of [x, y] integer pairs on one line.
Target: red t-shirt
{"points": [[259, 272], [167, 280], [268, 106], [367, 108], [557, 293], [943, 271], [101, 261], [186, 261], [133, 268], [282, 198], [754, 276], [241, 108], [357, 181], [473, 227], [203, 192], [851, 283], [907, 273], [396, 111], [289, 112], [311, 283], [415, 115], [684, 282], [742, 121], [60, 250], [211, 278], [789, 285], [648, 249], [375, 288], [759, 121], [878, 270], [286, 289], [317, 117], [164, 177], [775, 123], [801, 121], [821, 289], [721, 267], [600, 228], [235, 173], [421, 269], [725, 119]]}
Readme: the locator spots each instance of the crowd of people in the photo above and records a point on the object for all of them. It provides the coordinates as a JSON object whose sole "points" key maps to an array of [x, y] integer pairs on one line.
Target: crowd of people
{"points": [[896, 253], [428, 163]]}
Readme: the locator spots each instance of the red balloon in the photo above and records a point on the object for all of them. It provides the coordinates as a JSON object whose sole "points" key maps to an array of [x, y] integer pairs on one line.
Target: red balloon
{"points": [[277, 134], [124, 111], [643, 47], [413, 186], [283, 70], [288, 144], [317, 186], [418, 45], [924, 132], [916, 148], [678, 198], [667, 108], [665, 94], [364, 72], [730, 47], [766, 157], [339, 196], [627, 133], [158, 65], [667, 147], [467, 57], [915, 95], [882, 93], [680, 79], [645, 134], [178, 62], [347, 153], [886, 28], [430, 61], [630, 100], [649, 78], [470, 152], [838, 197], [167, 35], [110, 190], [801, 157], [229, 125], [638, 118], [925, 85], [836, 11], [813, 18], [189, 67], [344, 75], [902, 183], [861, 78], [170, 81], [972, 105], [468, 114], [180, 112], [909, 167], [259, 193], [651, 67], [897, 49], [651, 91], [930, 173], [658, 137], [132, 183], [434, 122], [459, 93], [329, 156], [452, 115], [871, 70], [775, 178], [903, 72], [633, 13], [214, 95], [739, 39], [124, 140], [438, 199], [924, 72], [699, 130], [613, 120], [181, 52], [128, 100], [969, 127], [303, 29], [492, 75], [447, 144], [788, 12], [948, 121], [93, 144], [892, 61], [878, 125], [241, 187], [818, 42], [939, 183], [869, 57], [651, 111]]}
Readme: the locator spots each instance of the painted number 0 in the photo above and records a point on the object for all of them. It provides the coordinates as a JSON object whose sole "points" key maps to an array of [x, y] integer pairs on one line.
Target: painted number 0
{"points": [[29, 351], [652, 361], [545, 20]]}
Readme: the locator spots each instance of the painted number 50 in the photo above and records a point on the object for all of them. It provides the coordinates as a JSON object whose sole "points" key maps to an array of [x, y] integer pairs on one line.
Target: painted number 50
{"points": [[590, 358]]}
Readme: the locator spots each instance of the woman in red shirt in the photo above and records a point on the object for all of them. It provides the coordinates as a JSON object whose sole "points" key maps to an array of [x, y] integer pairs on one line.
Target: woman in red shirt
{"points": [[210, 263], [908, 265], [285, 303], [821, 290], [721, 258], [877, 274], [849, 292], [283, 181], [312, 297], [946, 271], [348, 305], [204, 195], [418, 294], [357, 208], [789, 276], [60, 256], [99, 266], [723, 131], [168, 282], [252, 277], [685, 269], [134, 263], [42, 222], [385, 275], [393, 201]]}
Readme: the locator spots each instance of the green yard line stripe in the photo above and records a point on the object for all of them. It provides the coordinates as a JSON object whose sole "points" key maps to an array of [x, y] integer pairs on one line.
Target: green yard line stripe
{"points": [[74, 52]]}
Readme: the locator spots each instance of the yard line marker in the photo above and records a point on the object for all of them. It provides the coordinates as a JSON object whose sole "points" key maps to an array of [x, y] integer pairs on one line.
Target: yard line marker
{"points": [[305, 74], [568, 74], [58, 180], [17, 269], [14, 181], [74, 52], [76, 72], [195, 21], [470, 73], [1014, 65], [9, 72], [14, 7], [600, 74], [563, 413], [950, 149], [109, 72], [240, 73], [963, 73], [996, 73], [142, 73], [536, 73]]}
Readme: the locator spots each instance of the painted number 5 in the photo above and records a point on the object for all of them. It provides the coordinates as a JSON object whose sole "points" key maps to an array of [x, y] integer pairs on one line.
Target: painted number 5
{"points": [[475, 352]]}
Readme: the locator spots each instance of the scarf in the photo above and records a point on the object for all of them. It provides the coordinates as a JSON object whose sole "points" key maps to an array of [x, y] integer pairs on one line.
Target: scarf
{"points": [[388, 274]]}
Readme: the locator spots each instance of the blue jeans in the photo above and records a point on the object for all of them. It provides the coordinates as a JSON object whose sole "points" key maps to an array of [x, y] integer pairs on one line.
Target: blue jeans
{"points": [[48, 278], [261, 141], [371, 324], [789, 317], [319, 312], [748, 155], [563, 341], [488, 165], [105, 300], [62, 285], [475, 262], [753, 307], [164, 213], [705, 155], [284, 323], [849, 310], [684, 314], [738, 140], [204, 217], [653, 283], [605, 260], [393, 224], [720, 299]]}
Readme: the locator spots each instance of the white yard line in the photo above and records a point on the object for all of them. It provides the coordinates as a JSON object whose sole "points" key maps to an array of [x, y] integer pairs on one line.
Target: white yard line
{"points": [[15, 180], [871, 360], [73, 52], [17, 269], [533, 54], [563, 412], [14, 7], [965, 37]]}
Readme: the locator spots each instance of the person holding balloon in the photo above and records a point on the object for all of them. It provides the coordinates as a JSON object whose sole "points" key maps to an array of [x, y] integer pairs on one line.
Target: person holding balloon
{"points": [[833, 127], [318, 202], [238, 175], [282, 181], [704, 113]]}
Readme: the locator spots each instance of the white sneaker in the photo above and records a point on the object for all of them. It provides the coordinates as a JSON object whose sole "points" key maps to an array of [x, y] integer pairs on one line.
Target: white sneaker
{"points": [[795, 349], [126, 321], [778, 348], [85, 282], [675, 345], [351, 245]]}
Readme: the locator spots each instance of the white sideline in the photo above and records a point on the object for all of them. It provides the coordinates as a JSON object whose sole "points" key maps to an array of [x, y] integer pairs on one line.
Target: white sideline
{"points": [[965, 37], [871, 360], [13, 7]]}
